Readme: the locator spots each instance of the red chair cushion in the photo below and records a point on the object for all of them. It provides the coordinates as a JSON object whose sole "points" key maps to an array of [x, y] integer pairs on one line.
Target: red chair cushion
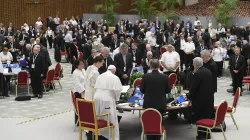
{"points": [[154, 131], [44, 81], [21, 83], [246, 78], [229, 109], [56, 78], [63, 53], [205, 122], [100, 124], [245, 81]]}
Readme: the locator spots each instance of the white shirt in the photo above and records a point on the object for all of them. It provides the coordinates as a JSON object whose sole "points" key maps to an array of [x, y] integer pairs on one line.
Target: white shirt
{"points": [[39, 23], [189, 47], [148, 35], [91, 77], [49, 33], [196, 22], [73, 22], [217, 54], [170, 59], [116, 51], [183, 42], [6, 57], [68, 38], [152, 41], [220, 30], [79, 80], [1, 67], [57, 20]]}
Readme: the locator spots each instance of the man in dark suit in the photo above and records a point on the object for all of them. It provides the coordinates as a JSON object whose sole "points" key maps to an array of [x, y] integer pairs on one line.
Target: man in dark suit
{"points": [[237, 65], [81, 39], [107, 60], [211, 65], [115, 43], [37, 72], [123, 63], [136, 54], [202, 94], [154, 86]]}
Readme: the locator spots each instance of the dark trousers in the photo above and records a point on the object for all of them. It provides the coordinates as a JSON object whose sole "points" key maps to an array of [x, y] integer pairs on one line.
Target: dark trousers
{"points": [[62, 45], [124, 81], [181, 53], [169, 72], [36, 83], [188, 59], [67, 46], [219, 68], [237, 81], [157, 51], [156, 137], [50, 40], [3, 85]]}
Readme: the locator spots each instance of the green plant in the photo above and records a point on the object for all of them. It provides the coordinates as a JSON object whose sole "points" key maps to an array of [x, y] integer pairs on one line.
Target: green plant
{"points": [[144, 8], [134, 76], [224, 10], [167, 8], [108, 8]]}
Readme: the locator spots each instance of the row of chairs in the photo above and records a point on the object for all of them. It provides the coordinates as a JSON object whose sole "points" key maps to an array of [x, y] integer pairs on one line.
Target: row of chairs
{"points": [[52, 75]]}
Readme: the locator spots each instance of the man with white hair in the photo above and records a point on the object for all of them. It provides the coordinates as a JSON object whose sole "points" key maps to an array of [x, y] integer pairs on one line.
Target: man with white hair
{"points": [[188, 49], [201, 94], [108, 89], [107, 59], [170, 61]]}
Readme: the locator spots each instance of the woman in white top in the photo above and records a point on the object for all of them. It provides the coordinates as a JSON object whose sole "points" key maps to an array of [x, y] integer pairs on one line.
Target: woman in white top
{"points": [[5, 55], [217, 54], [73, 21], [50, 36], [79, 81]]}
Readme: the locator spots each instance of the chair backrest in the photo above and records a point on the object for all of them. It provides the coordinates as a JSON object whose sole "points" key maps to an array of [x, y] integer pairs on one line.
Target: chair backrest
{"points": [[151, 120], [80, 56], [137, 82], [86, 113], [73, 100], [172, 79], [220, 113], [162, 50], [57, 69], [236, 98], [22, 77], [50, 76]]}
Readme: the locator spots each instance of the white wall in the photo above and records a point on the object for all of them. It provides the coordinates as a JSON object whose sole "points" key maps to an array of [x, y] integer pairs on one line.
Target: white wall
{"points": [[190, 2]]}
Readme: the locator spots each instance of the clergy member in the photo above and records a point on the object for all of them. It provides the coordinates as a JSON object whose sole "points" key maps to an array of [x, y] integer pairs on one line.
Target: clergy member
{"points": [[108, 89], [91, 76]]}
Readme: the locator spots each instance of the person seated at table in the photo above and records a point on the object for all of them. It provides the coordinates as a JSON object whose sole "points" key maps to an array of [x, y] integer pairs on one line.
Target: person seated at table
{"points": [[5, 55]]}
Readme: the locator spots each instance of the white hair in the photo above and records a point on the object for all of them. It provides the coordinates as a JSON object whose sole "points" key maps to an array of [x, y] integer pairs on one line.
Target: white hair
{"points": [[205, 53], [198, 61], [149, 53], [105, 49]]}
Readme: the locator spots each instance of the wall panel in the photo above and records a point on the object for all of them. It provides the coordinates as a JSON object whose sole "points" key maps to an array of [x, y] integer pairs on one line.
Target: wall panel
{"points": [[20, 11]]}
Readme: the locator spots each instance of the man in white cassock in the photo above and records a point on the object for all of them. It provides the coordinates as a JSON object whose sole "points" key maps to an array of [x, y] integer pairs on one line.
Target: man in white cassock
{"points": [[108, 89]]}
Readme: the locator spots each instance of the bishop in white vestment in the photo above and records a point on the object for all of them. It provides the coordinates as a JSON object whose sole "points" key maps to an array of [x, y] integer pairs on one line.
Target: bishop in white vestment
{"points": [[108, 89]]}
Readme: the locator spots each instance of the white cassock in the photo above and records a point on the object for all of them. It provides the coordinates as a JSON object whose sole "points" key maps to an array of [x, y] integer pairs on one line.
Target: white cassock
{"points": [[79, 80], [108, 89], [91, 76]]}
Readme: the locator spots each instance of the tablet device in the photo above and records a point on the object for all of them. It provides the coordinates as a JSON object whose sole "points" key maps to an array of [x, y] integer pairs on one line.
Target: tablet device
{"points": [[16, 70]]}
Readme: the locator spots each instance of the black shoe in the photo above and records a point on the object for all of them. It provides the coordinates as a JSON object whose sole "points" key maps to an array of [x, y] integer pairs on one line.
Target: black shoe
{"points": [[40, 96], [35, 96], [231, 85], [230, 90], [233, 94]]}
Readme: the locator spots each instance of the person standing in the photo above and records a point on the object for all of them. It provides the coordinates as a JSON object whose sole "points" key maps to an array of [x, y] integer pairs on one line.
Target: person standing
{"points": [[36, 69], [154, 86], [123, 63], [91, 76], [188, 50], [211, 65], [201, 94], [50, 35], [108, 89], [170, 61], [237, 65], [107, 59], [217, 54]]}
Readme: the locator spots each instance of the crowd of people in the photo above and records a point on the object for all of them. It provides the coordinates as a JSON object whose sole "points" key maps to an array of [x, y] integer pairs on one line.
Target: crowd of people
{"points": [[110, 56]]}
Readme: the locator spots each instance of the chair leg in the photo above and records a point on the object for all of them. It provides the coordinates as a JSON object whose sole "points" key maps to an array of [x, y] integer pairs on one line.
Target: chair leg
{"points": [[196, 133], [234, 120], [80, 134], [60, 84], [16, 90], [133, 111], [139, 113], [211, 134], [96, 135], [44, 88], [53, 84], [76, 125], [223, 132], [28, 90], [142, 136], [113, 133]]}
